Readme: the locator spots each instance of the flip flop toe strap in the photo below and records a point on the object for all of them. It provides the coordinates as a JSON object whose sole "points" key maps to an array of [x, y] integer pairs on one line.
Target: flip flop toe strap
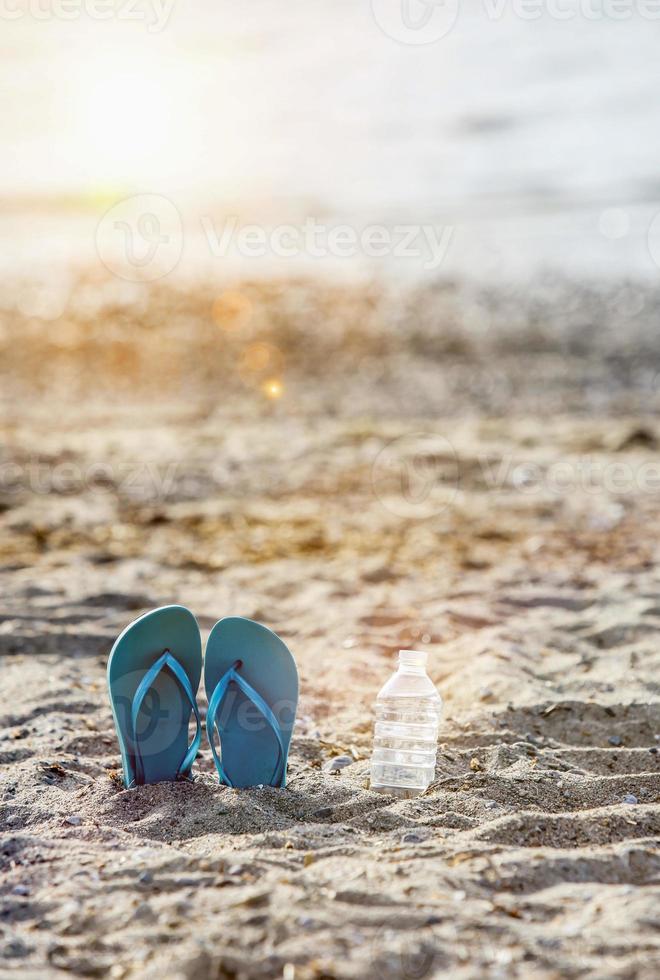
{"points": [[219, 693], [165, 662]]}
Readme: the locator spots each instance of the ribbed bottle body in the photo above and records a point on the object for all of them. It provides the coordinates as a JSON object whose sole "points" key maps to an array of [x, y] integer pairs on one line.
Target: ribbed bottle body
{"points": [[406, 731]]}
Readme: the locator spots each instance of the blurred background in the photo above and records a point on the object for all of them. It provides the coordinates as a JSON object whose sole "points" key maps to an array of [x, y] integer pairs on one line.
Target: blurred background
{"points": [[387, 210], [505, 152], [531, 130], [391, 213]]}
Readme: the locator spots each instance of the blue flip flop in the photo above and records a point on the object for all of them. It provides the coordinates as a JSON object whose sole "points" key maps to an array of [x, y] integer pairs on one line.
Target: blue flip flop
{"points": [[251, 683], [153, 675]]}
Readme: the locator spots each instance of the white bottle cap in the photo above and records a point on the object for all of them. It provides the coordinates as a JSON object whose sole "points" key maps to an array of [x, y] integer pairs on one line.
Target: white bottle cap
{"points": [[413, 658]]}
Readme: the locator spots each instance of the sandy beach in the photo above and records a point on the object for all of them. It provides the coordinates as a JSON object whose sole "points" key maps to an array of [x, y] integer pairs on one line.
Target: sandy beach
{"points": [[344, 318], [473, 475]]}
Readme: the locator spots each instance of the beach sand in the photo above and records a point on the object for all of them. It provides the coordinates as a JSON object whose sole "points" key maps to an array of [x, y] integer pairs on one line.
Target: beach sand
{"points": [[473, 475]]}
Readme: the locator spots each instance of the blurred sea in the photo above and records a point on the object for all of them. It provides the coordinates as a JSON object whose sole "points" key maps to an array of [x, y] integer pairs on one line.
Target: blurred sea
{"points": [[537, 141]]}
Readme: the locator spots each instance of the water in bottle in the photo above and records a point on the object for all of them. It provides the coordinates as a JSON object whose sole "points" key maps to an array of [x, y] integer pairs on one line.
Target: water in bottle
{"points": [[406, 734]]}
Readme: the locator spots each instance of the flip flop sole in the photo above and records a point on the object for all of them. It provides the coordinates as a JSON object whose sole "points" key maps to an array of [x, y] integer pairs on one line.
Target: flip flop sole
{"points": [[249, 746], [162, 724]]}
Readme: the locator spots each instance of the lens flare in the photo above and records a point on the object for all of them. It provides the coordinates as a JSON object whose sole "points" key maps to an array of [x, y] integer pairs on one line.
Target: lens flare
{"points": [[232, 310], [259, 363], [273, 389]]}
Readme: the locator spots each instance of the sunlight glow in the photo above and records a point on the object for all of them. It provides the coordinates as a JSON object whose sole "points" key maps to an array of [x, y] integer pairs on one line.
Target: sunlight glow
{"points": [[273, 389], [131, 124]]}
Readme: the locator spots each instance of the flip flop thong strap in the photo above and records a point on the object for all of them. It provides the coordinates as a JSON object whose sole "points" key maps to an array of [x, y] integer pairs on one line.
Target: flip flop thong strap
{"points": [[165, 662], [221, 688]]}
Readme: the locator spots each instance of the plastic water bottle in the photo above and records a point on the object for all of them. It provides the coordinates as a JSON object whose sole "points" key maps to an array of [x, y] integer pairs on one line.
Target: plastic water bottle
{"points": [[406, 734]]}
